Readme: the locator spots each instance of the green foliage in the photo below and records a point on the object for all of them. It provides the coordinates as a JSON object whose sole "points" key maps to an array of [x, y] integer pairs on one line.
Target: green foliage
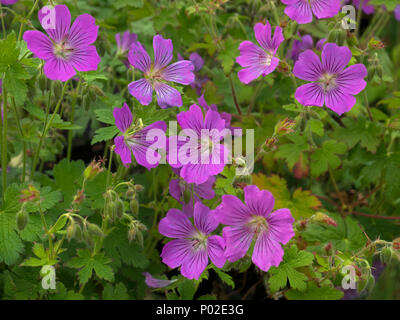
{"points": [[293, 259]]}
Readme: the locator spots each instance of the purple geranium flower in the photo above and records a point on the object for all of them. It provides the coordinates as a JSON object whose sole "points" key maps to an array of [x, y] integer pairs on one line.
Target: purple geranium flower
{"points": [[136, 140], [157, 283], [205, 139], [367, 8], [255, 220], [157, 73], [193, 245], [224, 115], [178, 187], [397, 12], [8, 2], [259, 61], [124, 43], [69, 48], [332, 84], [198, 63], [306, 42], [302, 10]]}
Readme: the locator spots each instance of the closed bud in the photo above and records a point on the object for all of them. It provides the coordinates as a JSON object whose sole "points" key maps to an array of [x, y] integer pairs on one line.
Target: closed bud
{"points": [[285, 126], [371, 283], [371, 72], [323, 218], [139, 187], [22, 219], [375, 44], [43, 82], [95, 230], [92, 170], [352, 39], [92, 95], [270, 143], [379, 70], [134, 206], [386, 255], [119, 209], [57, 89], [396, 244], [96, 91], [86, 102], [71, 231], [187, 195]]}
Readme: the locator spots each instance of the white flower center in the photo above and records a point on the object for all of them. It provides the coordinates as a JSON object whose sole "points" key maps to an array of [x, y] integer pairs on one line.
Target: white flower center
{"points": [[200, 241], [328, 81], [63, 50], [258, 224]]}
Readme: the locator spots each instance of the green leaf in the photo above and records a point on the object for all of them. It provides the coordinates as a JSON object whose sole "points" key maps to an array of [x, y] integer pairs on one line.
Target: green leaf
{"points": [[119, 292], [314, 293], [105, 134], [87, 264], [326, 157], [359, 130], [119, 4], [286, 271], [186, 289], [389, 4], [228, 54], [291, 152], [226, 278], [347, 236], [105, 115], [11, 245]]}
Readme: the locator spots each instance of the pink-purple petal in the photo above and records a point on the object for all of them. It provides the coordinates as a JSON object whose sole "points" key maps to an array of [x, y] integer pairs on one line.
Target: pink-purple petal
{"points": [[216, 246], [142, 91], [39, 44], [83, 31], [167, 96], [123, 117], [204, 220], [310, 94], [139, 58], [176, 225], [180, 72], [57, 27], [162, 52], [335, 58], [259, 202], [267, 252], [308, 67]]}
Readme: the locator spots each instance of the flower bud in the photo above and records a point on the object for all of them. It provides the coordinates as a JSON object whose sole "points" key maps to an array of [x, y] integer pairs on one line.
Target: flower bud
{"points": [[119, 209], [386, 255], [86, 102], [43, 82], [396, 244], [79, 197], [71, 231], [323, 218], [285, 126], [92, 170], [375, 44], [31, 193], [57, 89], [134, 206], [22, 219], [187, 195], [95, 230], [139, 187]]}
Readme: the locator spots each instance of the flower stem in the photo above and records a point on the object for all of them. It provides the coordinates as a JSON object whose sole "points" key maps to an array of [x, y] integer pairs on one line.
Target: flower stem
{"points": [[359, 16], [275, 12], [72, 119], [46, 128], [109, 166], [367, 106], [21, 29], [21, 132], [3, 26], [4, 142], [235, 100]]}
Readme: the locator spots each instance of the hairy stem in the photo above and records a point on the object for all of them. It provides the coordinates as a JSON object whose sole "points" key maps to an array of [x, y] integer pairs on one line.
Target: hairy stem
{"points": [[46, 128]]}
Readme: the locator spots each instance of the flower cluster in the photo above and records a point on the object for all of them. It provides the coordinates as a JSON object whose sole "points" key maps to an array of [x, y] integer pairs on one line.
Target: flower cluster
{"points": [[195, 229]]}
